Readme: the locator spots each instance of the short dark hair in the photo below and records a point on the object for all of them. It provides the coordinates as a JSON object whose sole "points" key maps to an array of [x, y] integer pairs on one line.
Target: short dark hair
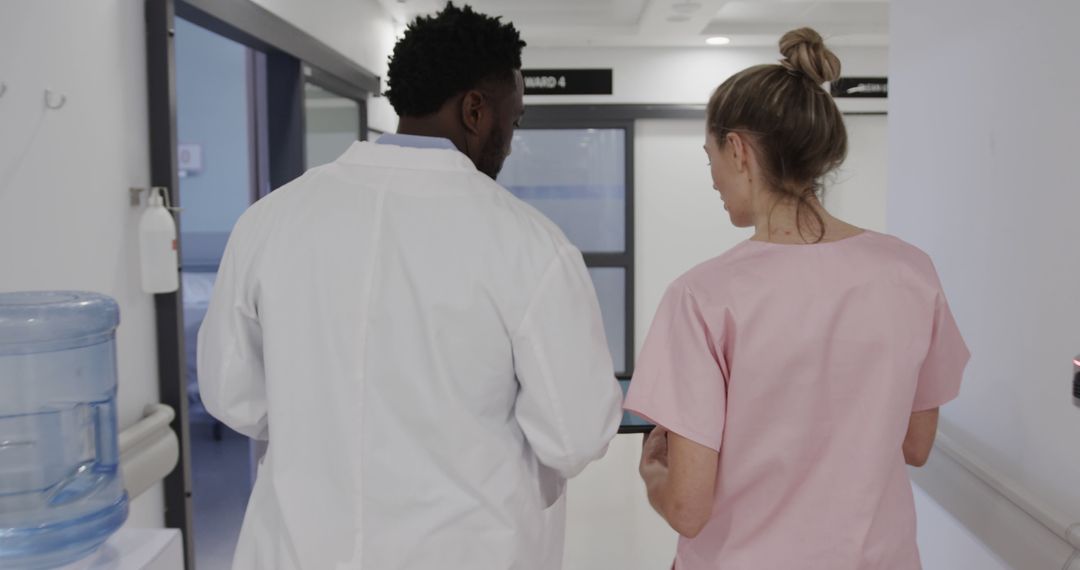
{"points": [[446, 54]]}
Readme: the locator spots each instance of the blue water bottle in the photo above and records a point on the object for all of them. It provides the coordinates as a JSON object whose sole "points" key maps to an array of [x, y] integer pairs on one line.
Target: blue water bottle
{"points": [[61, 495]]}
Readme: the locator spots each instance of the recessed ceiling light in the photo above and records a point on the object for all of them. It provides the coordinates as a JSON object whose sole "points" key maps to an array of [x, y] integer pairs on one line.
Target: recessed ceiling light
{"points": [[686, 7], [718, 41]]}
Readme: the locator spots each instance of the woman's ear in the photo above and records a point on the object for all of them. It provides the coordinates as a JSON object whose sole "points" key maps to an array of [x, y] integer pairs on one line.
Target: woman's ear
{"points": [[740, 151]]}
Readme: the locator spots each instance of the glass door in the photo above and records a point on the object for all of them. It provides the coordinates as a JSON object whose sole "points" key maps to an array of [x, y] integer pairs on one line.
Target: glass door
{"points": [[580, 175], [217, 132], [331, 124]]}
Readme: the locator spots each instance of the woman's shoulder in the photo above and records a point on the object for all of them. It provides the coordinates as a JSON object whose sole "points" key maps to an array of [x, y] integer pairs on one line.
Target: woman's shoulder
{"points": [[713, 273], [897, 250], [751, 259]]}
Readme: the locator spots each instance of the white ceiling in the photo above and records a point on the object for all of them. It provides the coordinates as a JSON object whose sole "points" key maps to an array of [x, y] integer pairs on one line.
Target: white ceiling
{"points": [[661, 23]]}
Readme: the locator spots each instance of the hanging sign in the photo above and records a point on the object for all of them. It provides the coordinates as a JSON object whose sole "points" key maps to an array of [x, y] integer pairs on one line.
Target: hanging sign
{"points": [[567, 81], [861, 87]]}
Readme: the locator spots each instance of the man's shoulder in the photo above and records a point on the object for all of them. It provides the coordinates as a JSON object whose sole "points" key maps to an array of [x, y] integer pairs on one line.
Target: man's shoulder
{"points": [[528, 213]]}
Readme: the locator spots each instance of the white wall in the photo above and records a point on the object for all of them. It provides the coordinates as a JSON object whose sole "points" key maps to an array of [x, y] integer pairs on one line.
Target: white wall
{"points": [[683, 75], [360, 29], [65, 219], [964, 523], [983, 131], [680, 220], [945, 544]]}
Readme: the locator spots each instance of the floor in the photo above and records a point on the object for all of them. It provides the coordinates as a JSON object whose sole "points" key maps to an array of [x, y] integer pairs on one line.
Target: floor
{"points": [[609, 521], [221, 479]]}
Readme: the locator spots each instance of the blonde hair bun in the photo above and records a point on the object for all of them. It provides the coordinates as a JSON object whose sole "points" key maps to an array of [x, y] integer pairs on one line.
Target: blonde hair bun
{"points": [[805, 52]]}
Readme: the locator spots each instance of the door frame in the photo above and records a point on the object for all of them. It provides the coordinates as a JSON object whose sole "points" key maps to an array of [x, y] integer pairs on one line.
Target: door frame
{"points": [[602, 117], [288, 51]]}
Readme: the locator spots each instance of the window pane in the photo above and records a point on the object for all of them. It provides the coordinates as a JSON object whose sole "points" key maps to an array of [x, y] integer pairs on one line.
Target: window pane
{"points": [[610, 283], [214, 131], [576, 177], [332, 123], [216, 126]]}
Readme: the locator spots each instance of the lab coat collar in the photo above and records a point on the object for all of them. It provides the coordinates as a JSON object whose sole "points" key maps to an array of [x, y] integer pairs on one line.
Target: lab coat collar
{"points": [[371, 154], [415, 141]]}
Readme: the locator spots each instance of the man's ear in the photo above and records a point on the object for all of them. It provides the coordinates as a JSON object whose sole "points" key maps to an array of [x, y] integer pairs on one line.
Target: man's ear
{"points": [[473, 105]]}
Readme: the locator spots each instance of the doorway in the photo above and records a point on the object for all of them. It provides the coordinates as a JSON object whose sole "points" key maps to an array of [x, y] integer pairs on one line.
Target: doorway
{"points": [[232, 90]]}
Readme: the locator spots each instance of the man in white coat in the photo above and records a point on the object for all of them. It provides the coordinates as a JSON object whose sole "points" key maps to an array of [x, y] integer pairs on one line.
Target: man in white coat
{"points": [[423, 352]]}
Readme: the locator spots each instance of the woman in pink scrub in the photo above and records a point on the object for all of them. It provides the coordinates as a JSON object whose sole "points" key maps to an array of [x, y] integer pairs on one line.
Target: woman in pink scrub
{"points": [[794, 376]]}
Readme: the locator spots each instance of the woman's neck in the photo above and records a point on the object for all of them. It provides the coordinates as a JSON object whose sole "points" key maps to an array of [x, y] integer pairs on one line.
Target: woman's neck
{"points": [[784, 221]]}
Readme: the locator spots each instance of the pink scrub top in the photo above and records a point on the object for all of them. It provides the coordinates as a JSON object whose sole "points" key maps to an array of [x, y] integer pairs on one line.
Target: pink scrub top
{"points": [[801, 365]]}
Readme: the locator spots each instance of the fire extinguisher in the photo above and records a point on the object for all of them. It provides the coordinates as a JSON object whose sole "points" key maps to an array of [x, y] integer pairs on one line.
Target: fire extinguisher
{"points": [[157, 246]]}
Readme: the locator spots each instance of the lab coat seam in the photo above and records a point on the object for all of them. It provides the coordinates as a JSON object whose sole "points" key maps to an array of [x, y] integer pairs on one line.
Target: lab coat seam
{"points": [[541, 356], [533, 297], [556, 403], [242, 273], [231, 350], [377, 235]]}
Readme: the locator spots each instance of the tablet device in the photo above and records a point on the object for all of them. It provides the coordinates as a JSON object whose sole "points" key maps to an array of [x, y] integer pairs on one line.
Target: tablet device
{"points": [[632, 423]]}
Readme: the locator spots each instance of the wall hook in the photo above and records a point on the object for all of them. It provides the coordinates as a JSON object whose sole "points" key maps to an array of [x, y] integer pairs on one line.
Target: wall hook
{"points": [[53, 100], [136, 195]]}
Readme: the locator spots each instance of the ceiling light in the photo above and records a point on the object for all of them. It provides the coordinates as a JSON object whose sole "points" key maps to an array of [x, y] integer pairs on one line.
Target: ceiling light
{"points": [[718, 41], [686, 7]]}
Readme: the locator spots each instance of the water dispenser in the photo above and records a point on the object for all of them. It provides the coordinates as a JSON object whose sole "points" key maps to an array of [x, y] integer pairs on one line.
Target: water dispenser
{"points": [[61, 495]]}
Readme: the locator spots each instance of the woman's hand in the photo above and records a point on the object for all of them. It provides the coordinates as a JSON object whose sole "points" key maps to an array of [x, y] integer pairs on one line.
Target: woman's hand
{"points": [[680, 477], [654, 466]]}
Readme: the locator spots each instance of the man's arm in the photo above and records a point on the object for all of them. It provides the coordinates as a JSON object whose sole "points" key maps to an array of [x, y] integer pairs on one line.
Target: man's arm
{"points": [[569, 404], [232, 385]]}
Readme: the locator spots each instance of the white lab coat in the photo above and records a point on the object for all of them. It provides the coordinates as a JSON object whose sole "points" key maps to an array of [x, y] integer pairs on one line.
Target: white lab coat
{"points": [[424, 353]]}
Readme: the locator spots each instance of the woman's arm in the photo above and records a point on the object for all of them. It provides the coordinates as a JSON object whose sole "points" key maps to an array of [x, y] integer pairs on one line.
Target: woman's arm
{"points": [[922, 429], [680, 477]]}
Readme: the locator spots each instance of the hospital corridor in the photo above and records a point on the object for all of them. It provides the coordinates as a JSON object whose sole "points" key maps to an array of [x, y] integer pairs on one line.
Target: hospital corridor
{"points": [[539, 285]]}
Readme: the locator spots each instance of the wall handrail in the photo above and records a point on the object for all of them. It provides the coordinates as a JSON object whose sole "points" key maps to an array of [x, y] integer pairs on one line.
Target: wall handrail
{"points": [[1049, 518], [149, 450]]}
